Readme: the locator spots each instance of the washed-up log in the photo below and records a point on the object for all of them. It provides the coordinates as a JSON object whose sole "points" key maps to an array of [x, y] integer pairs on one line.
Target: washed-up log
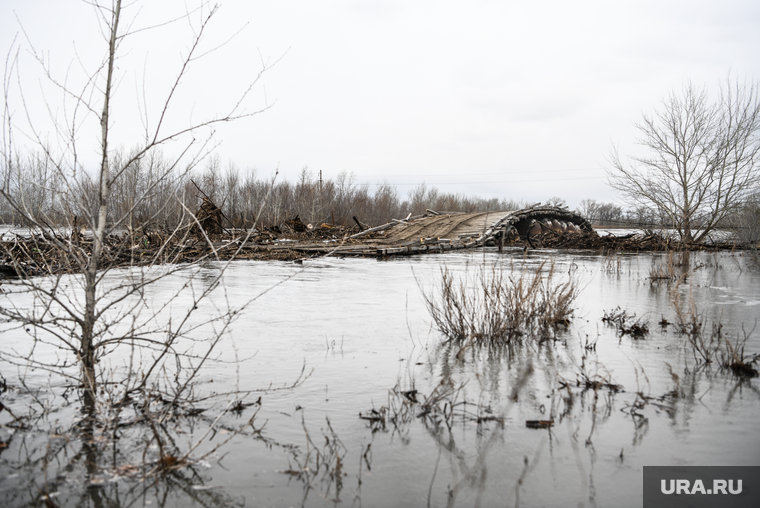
{"points": [[372, 230], [362, 227], [539, 424]]}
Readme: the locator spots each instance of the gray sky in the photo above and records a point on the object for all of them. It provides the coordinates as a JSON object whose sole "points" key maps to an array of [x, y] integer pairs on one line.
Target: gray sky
{"points": [[509, 99]]}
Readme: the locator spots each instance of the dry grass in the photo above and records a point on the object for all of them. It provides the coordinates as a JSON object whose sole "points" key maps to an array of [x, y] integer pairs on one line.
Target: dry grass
{"points": [[735, 359], [613, 263], [690, 322], [674, 267], [500, 303]]}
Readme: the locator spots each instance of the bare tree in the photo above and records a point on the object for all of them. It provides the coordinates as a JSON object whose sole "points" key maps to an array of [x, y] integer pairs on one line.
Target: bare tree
{"points": [[588, 208], [557, 201], [701, 162], [89, 317]]}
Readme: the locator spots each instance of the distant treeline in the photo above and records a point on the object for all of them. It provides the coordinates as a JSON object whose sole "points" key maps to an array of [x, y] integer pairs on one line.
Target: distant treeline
{"points": [[151, 192], [745, 223], [611, 214]]}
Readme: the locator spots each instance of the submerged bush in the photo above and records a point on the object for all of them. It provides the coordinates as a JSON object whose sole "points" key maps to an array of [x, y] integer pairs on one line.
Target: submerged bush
{"points": [[502, 303], [711, 346], [626, 324]]}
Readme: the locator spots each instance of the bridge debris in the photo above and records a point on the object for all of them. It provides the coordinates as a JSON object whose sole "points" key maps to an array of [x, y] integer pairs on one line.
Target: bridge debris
{"points": [[35, 253]]}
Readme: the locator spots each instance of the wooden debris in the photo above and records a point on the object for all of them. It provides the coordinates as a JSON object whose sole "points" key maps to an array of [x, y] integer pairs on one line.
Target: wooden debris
{"points": [[539, 424], [209, 217], [296, 224]]}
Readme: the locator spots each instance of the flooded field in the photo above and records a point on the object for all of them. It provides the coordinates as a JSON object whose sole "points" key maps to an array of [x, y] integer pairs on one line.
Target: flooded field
{"points": [[387, 411]]}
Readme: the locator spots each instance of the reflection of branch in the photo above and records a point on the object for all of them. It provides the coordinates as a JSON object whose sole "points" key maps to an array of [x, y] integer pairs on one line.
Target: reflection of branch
{"points": [[326, 464], [479, 463], [4, 407], [432, 479]]}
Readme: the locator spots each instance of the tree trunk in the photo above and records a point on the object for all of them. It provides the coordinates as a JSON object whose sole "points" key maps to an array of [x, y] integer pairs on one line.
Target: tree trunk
{"points": [[91, 272]]}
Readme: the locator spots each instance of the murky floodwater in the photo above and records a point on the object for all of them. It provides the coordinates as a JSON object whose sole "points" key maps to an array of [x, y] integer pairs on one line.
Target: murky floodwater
{"points": [[360, 328]]}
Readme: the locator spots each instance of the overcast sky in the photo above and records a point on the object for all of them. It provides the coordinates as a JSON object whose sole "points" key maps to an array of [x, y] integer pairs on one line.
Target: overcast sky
{"points": [[505, 99]]}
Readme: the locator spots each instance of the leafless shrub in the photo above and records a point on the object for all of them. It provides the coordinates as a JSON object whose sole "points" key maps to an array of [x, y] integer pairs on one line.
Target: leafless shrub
{"points": [[711, 345], [501, 303], [444, 406], [690, 323], [734, 358], [599, 378], [626, 324]]}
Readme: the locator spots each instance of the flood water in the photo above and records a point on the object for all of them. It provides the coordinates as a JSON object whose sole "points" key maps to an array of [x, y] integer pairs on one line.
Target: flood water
{"points": [[361, 332]]}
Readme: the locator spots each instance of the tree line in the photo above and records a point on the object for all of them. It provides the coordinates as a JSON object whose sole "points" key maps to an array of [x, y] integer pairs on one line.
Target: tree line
{"points": [[149, 193]]}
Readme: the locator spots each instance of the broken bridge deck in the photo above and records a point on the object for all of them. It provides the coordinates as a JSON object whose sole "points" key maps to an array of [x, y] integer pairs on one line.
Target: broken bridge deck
{"points": [[440, 232]]}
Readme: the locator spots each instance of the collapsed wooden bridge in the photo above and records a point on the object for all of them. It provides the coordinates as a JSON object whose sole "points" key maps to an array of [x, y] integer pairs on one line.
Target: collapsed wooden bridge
{"points": [[35, 254], [442, 231]]}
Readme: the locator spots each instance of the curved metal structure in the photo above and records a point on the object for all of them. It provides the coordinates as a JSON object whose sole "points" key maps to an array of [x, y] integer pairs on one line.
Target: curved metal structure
{"points": [[442, 231], [557, 219]]}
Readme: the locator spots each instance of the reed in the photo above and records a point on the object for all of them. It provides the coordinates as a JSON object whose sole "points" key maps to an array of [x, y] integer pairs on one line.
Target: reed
{"points": [[675, 266], [502, 303]]}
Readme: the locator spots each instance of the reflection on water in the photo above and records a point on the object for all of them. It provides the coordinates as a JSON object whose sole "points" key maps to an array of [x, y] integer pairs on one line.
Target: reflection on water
{"points": [[570, 421]]}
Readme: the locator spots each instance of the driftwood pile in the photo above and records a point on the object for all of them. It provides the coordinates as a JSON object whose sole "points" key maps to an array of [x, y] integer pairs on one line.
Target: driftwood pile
{"points": [[634, 242], [53, 253]]}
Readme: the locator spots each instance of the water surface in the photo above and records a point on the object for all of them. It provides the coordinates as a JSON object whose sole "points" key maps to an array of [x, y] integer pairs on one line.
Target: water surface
{"points": [[360, 327]]}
